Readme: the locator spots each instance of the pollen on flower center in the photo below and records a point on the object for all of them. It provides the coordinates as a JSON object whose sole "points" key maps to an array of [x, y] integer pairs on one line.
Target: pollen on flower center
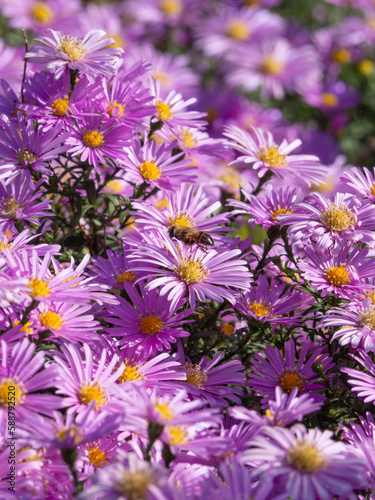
{"points": [[93, 138], [134, 485], [39, 288], [191, 271], [163, 111], [305, 457], [232, 177], [368, 317], [25, 158], [188, 140], [177, 434], [131, 372], [227, 329], [60, 106], [72, 47], [237, 30], [289, 380], [19, 391], [271, 66], [93, 392], [96, 456], [260, 309], [337, 276], [341, 56], [151, 324], [338, 218], [51, 320], [126, 276], [182, 219], [164, 411], [149, 170], [197, 377], [329, 99], [41, 13], [171, 7], [271, 157], [115, 109], [10, 208], [279, 211]]}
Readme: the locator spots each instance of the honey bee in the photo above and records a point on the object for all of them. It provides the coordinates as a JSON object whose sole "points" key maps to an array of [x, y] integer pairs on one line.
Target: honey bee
{"points": [[189, 236]]}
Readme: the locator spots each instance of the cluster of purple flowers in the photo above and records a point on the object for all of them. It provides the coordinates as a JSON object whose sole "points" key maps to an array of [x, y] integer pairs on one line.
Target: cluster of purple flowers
{"points": [[187, 294]]}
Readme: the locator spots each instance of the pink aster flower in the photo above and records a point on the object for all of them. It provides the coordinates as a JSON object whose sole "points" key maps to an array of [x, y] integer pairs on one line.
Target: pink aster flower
{"points": [[157, 166], [273, 371], [178, 270], [259, 149], [149, 321], [24, 370], [326, 222], [93, 55], [356, 322], [24, 149], [362, 181], [333, 98], [93, 138], [362, 383], [340, 271], [303, 463], [18, 201]]}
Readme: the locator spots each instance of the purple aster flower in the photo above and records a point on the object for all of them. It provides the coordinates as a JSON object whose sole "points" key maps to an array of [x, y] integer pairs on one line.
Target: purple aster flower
{"points": [[235, 484], [85, 378], [93, 55], [93, 138], [273, 371], [285, 409], [259, 149], [326, 222], [112, 272], [265, 208], [18, 201], [149, 321], [332, 99], [303, 463], [24, 149], [22, 369], [356, 322], [361, 382], [272, 302], [214, 275], [362, 181], [275, 66], [157, 166], [339, 271]]}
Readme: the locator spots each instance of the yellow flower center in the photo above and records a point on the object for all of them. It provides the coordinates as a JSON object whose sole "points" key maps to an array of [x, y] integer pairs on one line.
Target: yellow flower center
{"points": [[164, 411], [115, 109], [149, 170], [134, 485], [188, 140], [51, 320], [93, 392], [237, 30], [93, 138], [227, 329], [10, 208], [131, 372], [197, 377], [26, 327], [366, 67], [271, 157], [191, 271], [72, 47], [368, 317], [372, 189], [163, 78], [39, 288], [118, 39], [96, 456], [341, 56], [279, 211], [337, 276], [182, 219], [61, 106], [260, 309], [17, 389], [271, 66], [163, 111], [338, 218], [163, 203], [150, 325], [289, 380], [125, 276], [231, 177], [171, 7], [371, 296], [25, 158], [178, 434], [329, 99], [41, 13], [305, 457]]}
